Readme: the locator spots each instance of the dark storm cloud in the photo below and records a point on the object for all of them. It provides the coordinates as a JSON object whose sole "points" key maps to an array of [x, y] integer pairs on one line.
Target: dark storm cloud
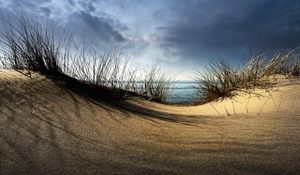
{"points": [[97, 28], [224, 26], [71, 2], [76, 16], [45, 10], [188, 30]]}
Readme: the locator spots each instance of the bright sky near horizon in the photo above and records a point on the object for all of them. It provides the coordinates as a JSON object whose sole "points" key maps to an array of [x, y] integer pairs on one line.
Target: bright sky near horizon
{"points": [[183, 34]]}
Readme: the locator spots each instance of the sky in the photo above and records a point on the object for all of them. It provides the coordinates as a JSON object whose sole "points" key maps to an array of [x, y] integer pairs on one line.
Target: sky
{"points": [[182, 34]]}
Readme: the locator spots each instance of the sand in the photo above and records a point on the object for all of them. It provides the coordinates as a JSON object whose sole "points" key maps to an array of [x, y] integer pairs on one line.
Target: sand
{"points": [[46, 129]]}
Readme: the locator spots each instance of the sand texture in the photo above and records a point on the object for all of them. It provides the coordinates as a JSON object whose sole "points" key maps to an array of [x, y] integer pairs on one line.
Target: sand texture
{"points": [[47, 129]]}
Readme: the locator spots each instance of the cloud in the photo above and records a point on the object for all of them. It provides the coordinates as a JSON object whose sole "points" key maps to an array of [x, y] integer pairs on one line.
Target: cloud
{"points": [[45, 10], [97, 28], [204, 27], [185, 32], [77, 16], [31, 4]]}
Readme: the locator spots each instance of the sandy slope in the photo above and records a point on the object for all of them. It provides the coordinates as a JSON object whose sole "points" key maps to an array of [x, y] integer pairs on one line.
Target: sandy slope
{"points": [[46, 129]]}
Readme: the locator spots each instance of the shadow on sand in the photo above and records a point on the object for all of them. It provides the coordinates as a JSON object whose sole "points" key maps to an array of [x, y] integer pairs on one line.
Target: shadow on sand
{"points": [[54, 127]]}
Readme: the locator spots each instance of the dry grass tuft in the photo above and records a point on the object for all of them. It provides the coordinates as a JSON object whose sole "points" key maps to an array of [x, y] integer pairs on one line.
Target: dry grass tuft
{"points": [[28, 45], [221, 78]]}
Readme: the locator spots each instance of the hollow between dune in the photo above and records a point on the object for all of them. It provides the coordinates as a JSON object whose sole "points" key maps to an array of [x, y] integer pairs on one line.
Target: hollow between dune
{"points": [[48, 129]]}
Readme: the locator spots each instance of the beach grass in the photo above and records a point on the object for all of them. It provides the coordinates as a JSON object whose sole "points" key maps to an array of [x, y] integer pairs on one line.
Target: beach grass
{"points": [[221, 79], [31, 46]]}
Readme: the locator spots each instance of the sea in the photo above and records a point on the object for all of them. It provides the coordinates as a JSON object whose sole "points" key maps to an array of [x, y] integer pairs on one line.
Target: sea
{"points": [[182, 92]]}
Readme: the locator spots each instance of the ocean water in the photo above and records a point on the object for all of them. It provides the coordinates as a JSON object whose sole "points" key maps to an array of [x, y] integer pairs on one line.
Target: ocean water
{"points": [[182, 92]]}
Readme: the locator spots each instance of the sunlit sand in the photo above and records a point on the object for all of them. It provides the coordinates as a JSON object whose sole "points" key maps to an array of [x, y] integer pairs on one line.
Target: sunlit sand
{"points": [[47, 129]]}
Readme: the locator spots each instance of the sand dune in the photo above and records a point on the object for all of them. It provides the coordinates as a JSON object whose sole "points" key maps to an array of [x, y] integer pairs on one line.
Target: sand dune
{"points": [[47, 129]]}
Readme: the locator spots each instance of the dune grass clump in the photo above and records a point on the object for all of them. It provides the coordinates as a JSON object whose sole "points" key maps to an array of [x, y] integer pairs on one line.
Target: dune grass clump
{"points": [[283, 63], [221, 78], [217, 81], [154, 83], [157, 84], [28, 45], [107, 69], [111, 70]]}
